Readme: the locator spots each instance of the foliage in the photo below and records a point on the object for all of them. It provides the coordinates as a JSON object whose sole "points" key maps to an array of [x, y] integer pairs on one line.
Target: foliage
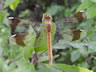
{"points": [[61, 67], [14, 4], [54, 9], [14, 58], [90, 7], [11, 3]]}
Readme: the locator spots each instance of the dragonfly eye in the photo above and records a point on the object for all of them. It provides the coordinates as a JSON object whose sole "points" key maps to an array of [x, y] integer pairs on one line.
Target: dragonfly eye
{"points": [[47, 17]]}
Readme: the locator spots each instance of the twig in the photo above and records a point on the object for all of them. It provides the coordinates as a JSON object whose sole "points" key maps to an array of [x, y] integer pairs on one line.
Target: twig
{"points": [[41, 54]]}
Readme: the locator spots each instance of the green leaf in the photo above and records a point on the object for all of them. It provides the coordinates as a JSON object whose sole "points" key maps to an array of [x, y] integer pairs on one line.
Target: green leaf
{"points": [[94, 1], [8, 2], [14, 4], [75, 55], [69, 68], [14, 51], [91, 45], [29, 42], [24, 13], [1, 68], [53, 9], [60, 46], [41, 43], [84, 64], [3, 15], [77, 44], [47, 68], [83, 52], [91, 11], [44, 58], [24, 66], [60, 68], [86, 4]]}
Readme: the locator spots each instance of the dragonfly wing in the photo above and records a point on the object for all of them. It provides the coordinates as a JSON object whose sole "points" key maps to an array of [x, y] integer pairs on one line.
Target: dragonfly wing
{"points": [[53, 30], [42, 43]]}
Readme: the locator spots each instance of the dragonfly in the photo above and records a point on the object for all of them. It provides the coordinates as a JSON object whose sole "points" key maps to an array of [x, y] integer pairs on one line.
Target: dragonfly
{"points": [[44, 41]]}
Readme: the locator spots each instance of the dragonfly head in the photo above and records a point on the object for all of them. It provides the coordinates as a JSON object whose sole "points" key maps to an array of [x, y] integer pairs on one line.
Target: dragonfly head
{"points": [[47, 17]]}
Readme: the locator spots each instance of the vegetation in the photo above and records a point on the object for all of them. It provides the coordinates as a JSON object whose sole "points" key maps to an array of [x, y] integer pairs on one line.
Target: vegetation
{"points": [[25, 48]]}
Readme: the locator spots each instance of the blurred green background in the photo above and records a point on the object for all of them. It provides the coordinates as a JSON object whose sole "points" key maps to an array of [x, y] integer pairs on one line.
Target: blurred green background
{"points": [[81, 52]]}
